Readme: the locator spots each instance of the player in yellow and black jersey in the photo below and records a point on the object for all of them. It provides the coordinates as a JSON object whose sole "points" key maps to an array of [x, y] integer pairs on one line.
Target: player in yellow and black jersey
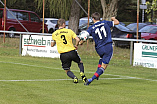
{"points": [[63, 38]]}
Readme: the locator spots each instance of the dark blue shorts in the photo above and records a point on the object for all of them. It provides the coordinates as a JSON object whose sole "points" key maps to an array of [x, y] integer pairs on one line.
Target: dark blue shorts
{"points": [[105, 52]]}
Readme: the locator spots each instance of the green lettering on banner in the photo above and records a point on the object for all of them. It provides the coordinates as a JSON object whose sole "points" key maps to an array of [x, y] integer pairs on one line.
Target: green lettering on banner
{"points": [[43, 41], [148, 47], [25, 41], [145, 64], [48, 42], [149, 54], [39, 42], [35, 42]]}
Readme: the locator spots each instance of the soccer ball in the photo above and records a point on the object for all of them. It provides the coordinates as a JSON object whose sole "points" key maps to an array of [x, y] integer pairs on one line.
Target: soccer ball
{"points": [[84, 35]]}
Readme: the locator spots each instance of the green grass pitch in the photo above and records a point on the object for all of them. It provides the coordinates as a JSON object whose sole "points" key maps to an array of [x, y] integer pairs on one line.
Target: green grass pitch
{"points": [[34, 80]]}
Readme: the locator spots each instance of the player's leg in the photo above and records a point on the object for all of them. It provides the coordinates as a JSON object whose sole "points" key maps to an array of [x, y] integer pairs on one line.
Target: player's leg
{"points": [[99, 65], [97, 74], [100, 71], [71, 75], [66, 64], [106, 56], [81, 67], [77, 59]]}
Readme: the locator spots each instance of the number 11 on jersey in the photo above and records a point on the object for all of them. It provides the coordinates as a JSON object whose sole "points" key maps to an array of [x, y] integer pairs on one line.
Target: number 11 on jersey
{"points": [[102, 29]]}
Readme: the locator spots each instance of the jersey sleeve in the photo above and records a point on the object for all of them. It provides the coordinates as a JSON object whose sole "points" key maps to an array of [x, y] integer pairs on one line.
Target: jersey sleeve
{"points": [[110, 23], [73, 34]]}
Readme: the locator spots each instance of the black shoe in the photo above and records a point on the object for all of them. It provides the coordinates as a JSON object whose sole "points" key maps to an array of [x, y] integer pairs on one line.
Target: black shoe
{"points": [[84, 78], [75, 80]]}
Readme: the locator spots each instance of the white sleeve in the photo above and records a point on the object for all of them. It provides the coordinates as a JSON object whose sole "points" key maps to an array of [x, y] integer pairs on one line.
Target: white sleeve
{"points": [[113, 23]]}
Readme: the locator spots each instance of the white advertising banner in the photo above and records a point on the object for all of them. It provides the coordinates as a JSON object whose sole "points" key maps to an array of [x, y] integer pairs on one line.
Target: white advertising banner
{"points": [[145, 55], [39, 46]]}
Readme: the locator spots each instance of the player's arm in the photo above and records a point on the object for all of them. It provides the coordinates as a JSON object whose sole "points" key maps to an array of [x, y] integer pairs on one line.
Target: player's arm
{"points": [[81, 42], [77, 41], [53, 43], [116, 22]]}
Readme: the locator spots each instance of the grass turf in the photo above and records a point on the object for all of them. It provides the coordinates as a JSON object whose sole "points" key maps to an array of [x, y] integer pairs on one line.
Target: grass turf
{"points": [[37, 80]]}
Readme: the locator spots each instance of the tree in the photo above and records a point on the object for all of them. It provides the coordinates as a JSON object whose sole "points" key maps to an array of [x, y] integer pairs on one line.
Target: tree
{"points": [[61, 8], [110, 8], [127, 11], [67, 9], [20, 4], [152, 5], [55, 8], [74, 16], [151, 9]]}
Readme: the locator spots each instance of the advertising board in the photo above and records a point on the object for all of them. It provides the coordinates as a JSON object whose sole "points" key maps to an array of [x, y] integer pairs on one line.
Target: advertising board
{"points": [[39, 46], [145, 55]]}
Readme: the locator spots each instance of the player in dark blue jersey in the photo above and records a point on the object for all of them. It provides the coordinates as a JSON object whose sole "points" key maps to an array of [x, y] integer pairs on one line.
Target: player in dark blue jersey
{"points": [[101, 34]]}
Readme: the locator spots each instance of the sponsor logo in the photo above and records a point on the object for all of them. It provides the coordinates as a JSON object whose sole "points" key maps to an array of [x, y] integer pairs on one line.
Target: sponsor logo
{"points": [[37, 42], [149, 47], [146, 51]]}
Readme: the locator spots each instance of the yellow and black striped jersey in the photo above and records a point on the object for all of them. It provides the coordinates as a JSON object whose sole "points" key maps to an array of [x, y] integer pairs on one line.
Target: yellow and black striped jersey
{"points": [[63, 38]]}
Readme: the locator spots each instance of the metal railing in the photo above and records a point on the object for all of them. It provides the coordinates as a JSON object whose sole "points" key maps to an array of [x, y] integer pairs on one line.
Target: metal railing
{"points": [[114, 39], [26, 33], [131, 44]]}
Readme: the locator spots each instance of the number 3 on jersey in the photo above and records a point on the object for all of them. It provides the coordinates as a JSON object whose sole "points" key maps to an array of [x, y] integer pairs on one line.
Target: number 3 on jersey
{"points": [[102, 29], [64, 39]]}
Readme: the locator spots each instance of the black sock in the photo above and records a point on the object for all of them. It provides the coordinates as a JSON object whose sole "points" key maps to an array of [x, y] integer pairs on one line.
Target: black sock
{"points": [[80, 65], [71, 74]]}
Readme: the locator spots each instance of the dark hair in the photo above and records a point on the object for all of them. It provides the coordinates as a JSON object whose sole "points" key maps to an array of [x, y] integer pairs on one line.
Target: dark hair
{"points": [[96, 16], [60, 22]]}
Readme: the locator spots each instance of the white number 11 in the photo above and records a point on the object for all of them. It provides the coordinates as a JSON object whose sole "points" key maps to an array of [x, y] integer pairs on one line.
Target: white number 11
{"points": [[97, 31]]}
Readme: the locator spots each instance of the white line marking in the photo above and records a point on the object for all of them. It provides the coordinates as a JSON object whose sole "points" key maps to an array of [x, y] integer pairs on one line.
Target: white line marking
{"points": [[40, 80], [35, 80], [28, 65], [121, 77]]}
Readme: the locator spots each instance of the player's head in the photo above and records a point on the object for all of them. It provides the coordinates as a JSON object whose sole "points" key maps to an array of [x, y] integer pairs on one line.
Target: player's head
{"points": [[96, 16], [61, 22]]}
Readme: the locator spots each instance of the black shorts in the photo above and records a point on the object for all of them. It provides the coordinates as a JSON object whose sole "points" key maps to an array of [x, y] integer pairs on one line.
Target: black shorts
{"points": [[68, 57]]}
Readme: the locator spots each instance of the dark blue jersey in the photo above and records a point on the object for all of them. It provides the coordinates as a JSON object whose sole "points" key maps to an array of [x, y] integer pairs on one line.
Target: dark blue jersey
{"points": [[101, 33]]}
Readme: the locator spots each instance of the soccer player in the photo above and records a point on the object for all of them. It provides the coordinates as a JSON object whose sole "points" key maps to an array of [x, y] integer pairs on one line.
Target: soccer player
{"points": [[63, 38], [101, 34]]}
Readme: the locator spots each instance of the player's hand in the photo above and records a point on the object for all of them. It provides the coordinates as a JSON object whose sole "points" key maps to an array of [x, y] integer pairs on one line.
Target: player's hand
{"points": [[76, 47], [81, 42], [116, 22], [112, 18]]}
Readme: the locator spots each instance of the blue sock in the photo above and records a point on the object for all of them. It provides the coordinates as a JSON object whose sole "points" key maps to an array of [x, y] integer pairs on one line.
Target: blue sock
{"points": [[98, 73], [99, 64]]}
